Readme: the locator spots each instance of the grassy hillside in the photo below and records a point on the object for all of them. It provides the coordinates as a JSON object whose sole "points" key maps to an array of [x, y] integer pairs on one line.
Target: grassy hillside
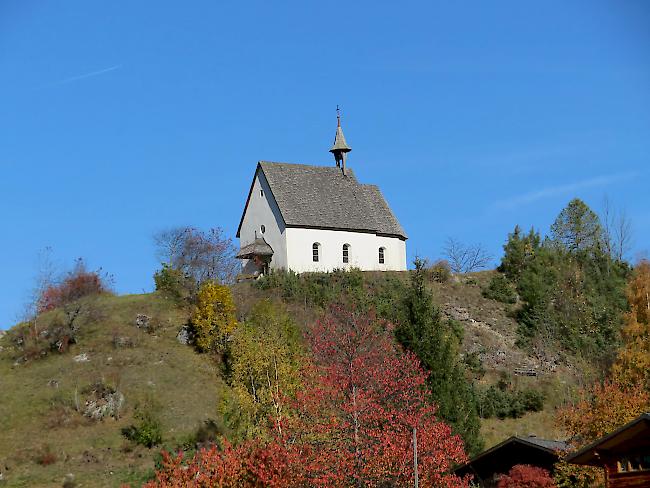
{"points": [[37, 396], [44, 437]]}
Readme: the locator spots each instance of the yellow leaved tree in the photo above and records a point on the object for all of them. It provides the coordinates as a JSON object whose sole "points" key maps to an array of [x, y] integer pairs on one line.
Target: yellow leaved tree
{"points": [[265, 361], [599, 410], [213, 316], [633, 362]]}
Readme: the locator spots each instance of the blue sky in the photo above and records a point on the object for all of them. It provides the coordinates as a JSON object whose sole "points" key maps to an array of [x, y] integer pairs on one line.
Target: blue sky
{"points": [[121, 118]]}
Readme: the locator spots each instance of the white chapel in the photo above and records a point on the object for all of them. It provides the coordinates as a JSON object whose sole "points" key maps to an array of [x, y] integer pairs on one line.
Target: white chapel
{"points": [[318, 218]]}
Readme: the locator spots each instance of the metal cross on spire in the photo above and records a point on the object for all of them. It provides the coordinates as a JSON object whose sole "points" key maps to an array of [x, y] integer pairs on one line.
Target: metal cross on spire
{"points": [[340, 147]]}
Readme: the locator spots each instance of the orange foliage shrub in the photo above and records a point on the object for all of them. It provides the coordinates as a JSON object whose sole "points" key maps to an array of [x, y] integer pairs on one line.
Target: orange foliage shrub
{"points": [[76, 284], [526, 476]]}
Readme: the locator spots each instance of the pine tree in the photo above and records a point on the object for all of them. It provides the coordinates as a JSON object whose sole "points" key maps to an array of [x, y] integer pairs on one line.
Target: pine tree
{"points": [[434, 342], [577, 228], [519, 250]]}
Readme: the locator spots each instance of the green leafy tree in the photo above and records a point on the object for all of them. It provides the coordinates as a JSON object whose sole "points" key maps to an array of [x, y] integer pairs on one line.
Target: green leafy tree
{"points": [[265, 366], [436, 345], [577, 228]]}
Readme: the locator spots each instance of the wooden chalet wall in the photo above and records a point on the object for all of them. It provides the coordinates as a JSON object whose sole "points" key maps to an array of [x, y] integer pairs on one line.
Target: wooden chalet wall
{"points": [[631, 479]]}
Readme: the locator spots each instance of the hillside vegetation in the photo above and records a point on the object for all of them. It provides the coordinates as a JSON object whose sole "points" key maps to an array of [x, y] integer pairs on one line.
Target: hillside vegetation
{"points": [[300, 379], [41, 410]]}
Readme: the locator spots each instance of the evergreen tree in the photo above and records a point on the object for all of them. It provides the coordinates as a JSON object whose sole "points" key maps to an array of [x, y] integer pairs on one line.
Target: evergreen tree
{"points": [[519, 250], [577, 228], [434, 342], [571, 291]]}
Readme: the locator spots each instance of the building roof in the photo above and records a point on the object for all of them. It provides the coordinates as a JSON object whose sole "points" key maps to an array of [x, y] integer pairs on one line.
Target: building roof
{"points": [[515, 450], [635, 434], [322, 197], [259, 247], [339, 141]]}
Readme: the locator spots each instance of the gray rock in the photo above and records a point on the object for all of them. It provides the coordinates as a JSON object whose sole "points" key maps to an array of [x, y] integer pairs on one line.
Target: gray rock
{"points": [[104, 404], [184, 335], [143, 321]]}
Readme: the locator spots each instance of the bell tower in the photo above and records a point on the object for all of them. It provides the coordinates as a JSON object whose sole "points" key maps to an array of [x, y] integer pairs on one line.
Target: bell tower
{"points": [[340, 148]]}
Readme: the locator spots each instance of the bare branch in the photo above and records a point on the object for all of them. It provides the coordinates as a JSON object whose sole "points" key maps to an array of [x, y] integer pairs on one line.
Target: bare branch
{"points": [[466, 258], [200, 255], [617, 231]]}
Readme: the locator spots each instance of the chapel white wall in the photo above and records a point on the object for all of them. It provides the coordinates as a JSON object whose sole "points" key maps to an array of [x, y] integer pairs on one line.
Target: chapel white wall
{"points": [[363, 254], [263, 210]]}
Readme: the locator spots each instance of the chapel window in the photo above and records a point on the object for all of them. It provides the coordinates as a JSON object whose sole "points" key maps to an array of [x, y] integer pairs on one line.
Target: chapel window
{"points": [[262, 228], [315, 252], [382, 258], [346, 253]]}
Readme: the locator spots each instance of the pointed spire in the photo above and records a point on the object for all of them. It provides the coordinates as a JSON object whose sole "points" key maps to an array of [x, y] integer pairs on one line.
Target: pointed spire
{"points": [[340, 146]]}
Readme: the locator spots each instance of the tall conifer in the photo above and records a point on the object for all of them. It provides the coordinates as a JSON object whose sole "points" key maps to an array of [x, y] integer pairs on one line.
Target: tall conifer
{"points": [[434, 342]]}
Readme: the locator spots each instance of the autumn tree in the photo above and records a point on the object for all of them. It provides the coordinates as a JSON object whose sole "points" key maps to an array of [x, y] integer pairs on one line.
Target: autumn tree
{"points": [[633, 362], [352, 424], [265, 361], [598, 411], [436, 345], [70, 299], [213, 317], [77, 283], [361, 406]]}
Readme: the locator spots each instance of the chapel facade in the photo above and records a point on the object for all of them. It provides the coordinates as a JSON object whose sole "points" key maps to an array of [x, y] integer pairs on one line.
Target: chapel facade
{"points": [[317, 219]]}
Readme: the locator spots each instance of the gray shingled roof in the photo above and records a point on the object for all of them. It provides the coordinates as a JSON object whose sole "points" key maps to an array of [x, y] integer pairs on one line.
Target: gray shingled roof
{"points": [[322, 197], [259, 247], [339, 142], [547, 443]]}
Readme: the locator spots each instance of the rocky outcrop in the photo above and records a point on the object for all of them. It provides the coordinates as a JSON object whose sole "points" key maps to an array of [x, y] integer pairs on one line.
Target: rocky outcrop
{"points": [[102, 402]]}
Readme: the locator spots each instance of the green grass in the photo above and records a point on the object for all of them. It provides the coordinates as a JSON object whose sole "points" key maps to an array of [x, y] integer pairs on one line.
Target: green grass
{"points": [[187, 385]]}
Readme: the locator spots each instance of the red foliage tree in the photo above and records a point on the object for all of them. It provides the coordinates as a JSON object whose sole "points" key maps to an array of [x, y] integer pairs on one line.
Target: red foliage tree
{"points": [[365, 398], [352, 425], [526, 476], [76, 284]]}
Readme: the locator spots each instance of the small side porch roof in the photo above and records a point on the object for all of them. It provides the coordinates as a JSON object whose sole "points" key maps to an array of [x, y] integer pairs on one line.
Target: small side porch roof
{"points": [[259, 247]]}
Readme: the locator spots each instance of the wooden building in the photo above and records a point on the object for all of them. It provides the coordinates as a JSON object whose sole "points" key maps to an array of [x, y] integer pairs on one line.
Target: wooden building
{"points": [[487, 467], [624, 455]]}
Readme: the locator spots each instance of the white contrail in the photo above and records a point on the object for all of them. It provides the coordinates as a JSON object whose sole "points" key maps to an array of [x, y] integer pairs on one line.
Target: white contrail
{"points": [[85, 75], [562, 190]]}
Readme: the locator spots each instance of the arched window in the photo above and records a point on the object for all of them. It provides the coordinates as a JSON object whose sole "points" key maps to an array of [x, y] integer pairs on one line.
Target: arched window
{"points": [[346, 253], [262, 228], [382, 258], [315, 252]]}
